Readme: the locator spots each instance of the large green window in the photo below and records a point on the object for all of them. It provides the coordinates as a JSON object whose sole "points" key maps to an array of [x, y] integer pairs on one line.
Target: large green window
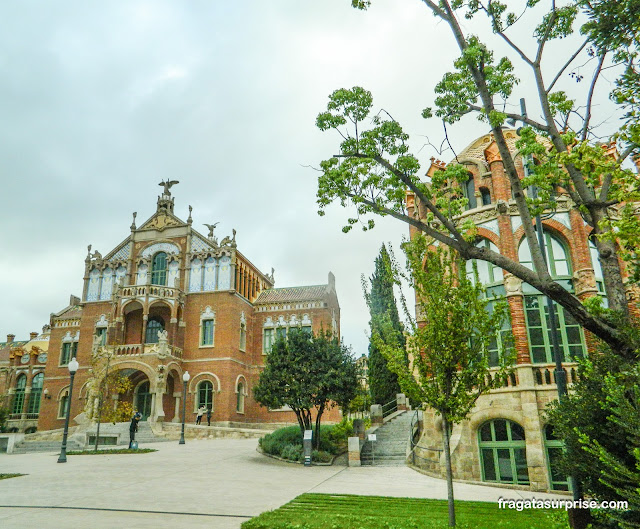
{"points": [[554, 448], [267, 341], [205, 394], [557, 256], [69, 351], [159, 269], [503, 455], [154, 325], [281, 333], [208, 328], [570, 335], [36, 393], [491, 277], [469, 189], [18, 396], [240, 398]]}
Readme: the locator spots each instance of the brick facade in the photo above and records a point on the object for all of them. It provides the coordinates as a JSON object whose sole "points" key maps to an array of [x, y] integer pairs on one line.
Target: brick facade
{"points": [[532, 386], [212, 306]]}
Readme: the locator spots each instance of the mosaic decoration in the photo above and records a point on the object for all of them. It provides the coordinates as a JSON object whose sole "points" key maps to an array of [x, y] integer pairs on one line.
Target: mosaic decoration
{"points": [[173, 273], [142, 275], [491, 225], [107, 284], [121, 272], [224, 273], [122, 254], [160, 247], [516, 222], [209, 274], [195, 278], [199, 245], [94, 285], [563, 218]]}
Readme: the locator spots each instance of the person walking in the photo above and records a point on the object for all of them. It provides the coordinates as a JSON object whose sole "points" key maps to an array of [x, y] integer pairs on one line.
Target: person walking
{"points": [[133, 428], [208, 416], [201, 410]]}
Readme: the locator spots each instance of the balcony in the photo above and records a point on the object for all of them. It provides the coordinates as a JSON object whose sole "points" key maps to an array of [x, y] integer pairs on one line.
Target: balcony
{"points": [[149, 291], [162, 350], [536, 376]]}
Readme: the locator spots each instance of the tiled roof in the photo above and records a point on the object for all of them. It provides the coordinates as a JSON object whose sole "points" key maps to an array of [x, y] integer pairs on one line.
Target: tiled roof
{"points": [[282, 295], [14, 344]]}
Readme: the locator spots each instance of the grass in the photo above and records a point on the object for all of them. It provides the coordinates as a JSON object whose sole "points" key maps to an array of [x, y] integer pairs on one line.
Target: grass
{"points": [[108, 451], [7, 476], [333, 511]]}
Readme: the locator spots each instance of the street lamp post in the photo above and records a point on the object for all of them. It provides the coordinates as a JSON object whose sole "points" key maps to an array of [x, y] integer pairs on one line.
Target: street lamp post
{"points": [[185, 379], [73, 367]]}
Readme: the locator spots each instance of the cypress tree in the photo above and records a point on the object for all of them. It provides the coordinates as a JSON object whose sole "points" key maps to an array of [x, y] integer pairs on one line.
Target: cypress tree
{"points": [[383, 383]]}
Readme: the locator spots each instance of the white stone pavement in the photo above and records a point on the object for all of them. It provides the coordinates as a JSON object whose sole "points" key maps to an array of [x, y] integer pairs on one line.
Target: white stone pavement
{"points": [[215, 483]]}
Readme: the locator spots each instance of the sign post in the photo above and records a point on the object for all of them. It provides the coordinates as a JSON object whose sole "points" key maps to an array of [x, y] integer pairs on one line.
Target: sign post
{"points": [[307, 447]]}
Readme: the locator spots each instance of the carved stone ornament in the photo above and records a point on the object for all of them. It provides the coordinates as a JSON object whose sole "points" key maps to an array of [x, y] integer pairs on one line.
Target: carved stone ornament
{"points": [[513, 285], [161, 222]]}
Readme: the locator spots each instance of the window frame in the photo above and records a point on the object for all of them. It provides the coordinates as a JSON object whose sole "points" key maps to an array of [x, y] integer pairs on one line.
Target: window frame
{"points": [[161, 274], [35, 398], [19, 395], [210, 392], [155, 339], [494, 445], [554, 444], [267, 344]]}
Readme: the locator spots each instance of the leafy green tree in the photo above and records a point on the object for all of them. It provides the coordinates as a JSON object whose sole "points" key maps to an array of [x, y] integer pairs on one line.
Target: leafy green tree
{"points": [[307, 372], [4, 415], [375, 165], [383, 383], [448, 346]]}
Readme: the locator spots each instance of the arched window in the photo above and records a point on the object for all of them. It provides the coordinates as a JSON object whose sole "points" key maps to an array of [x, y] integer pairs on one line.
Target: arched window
{"points": [[36, 393], [488, 273], [502, 452], [570, 335], [469, 189], [557, 256], [240, 397], [62, 407], [597, 270], [154, 325], [18, 396], [205, 394], [486, 196], [491, 277], [159, 269], [554, 448]]}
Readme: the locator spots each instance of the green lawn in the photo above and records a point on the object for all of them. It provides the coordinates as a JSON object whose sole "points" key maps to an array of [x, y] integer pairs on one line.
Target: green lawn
{"points": [[110, 451], [329, 511], [7, 476]]}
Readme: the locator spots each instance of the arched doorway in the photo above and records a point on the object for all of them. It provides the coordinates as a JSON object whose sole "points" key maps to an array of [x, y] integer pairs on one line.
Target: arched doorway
{"points": [[143, 400]]}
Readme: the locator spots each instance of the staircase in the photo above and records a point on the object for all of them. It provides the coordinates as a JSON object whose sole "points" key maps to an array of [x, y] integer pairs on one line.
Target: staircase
{"points": [[78, 441], [26, 447], [390, 446]]}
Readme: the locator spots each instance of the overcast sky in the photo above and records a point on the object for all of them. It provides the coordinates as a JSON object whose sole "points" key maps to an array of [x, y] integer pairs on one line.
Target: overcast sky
{"points": [[99, 101]]}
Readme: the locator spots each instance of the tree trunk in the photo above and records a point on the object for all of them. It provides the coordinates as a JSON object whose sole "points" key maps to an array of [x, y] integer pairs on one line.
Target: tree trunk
{"points": [[316, 441], [300, 421], [446, 432]]}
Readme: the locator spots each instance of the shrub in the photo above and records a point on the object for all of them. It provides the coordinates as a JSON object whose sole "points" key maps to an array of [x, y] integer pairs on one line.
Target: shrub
{"points": [[292, 452], [287, 442]]}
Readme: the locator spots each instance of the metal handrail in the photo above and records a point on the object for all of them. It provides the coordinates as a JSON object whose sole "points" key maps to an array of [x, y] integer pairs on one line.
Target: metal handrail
{"points": [[414, 433], [389, 408]]}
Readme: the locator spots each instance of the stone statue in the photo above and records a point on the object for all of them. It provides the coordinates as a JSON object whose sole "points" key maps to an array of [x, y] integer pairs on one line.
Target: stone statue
{"points": [[168, 185], [163, 336], [211, 228]]}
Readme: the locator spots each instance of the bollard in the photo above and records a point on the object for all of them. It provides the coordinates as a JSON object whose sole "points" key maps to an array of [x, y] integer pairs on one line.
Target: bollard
{"points": [[307, 446]]}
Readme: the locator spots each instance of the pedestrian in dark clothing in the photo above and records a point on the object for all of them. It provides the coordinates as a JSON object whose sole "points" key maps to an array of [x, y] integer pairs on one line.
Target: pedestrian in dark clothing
{"points": [[208, 416], [133, 427]]}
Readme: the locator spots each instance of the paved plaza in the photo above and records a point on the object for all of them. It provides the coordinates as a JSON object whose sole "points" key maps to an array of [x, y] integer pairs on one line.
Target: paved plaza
{"points": [[216, 483]]}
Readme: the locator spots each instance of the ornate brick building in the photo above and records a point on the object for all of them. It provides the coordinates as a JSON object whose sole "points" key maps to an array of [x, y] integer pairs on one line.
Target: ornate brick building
{"points": [[165, 301], [506, 438]]}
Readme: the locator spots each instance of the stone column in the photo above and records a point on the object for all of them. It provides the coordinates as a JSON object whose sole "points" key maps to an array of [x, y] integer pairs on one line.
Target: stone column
{"points": [[376, 414], [176, 414], [401, 402], [354, 452]]}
